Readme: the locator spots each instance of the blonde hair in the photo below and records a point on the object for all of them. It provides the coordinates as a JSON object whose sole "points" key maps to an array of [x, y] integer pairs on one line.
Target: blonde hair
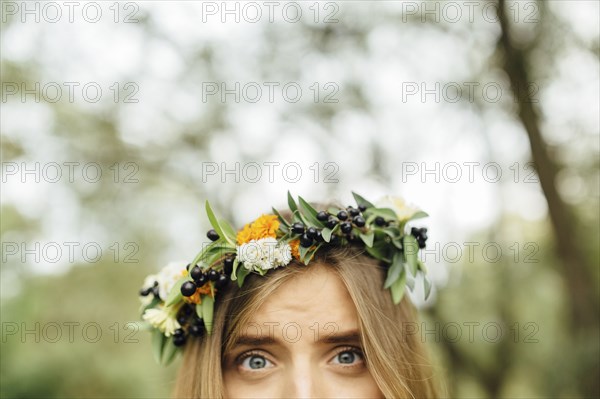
{"points": [[397, 361]]}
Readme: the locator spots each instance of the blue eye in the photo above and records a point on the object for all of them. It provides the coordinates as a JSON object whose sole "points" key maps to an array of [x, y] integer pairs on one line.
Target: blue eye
{"points": [[254, 362], [348, 357]]}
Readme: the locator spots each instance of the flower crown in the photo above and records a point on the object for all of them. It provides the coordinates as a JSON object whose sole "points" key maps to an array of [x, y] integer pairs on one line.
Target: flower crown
{"points": [[178, 302]]}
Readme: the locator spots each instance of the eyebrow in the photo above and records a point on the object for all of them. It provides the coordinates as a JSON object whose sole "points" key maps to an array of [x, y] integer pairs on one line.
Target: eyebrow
{"points": [[351, 336]]}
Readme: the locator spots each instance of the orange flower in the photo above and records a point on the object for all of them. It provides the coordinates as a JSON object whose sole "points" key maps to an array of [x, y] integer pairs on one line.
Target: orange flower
{"points": [[263, 227], [196, 298], [295, 244], [244, 235]]}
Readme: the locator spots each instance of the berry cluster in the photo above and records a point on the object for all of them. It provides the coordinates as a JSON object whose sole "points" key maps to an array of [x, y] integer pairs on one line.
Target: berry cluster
{"points": [[151, 290], [190, 324], [219, 279], [420, 235], [347, 219]]}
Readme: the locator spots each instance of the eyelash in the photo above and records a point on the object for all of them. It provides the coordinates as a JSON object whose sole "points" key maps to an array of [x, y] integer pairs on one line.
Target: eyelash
{"points": [[241, 358]]}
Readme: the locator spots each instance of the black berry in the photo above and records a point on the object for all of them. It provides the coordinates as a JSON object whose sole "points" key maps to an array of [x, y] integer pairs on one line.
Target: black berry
{"points": [[346, 227], [178, 332], [221, 281], [228, 265], [319, 236], [196, 330], [195, 273], [298, 228], [312, 232], [182, 319], [178, 340], [342, 215], [353, 211], [305, 241], [359, 221], [188, 288], [322, 216], [362, 208], [212, 235], [213, 275], [331, 222], [202, 279], [379, 221]]}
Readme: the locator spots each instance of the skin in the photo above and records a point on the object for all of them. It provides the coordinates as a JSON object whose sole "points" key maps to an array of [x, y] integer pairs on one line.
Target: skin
{"points": [[301, 343]]}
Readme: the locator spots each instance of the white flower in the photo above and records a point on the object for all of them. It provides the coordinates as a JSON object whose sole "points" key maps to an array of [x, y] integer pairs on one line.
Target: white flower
{"points": [[162, 319], [399, 206], [148, 283], [166, 279], [283, 254], [264, 254]]}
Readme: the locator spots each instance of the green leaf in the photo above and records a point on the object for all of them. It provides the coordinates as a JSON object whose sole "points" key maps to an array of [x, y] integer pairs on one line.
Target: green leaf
{"points": [[199, 310], [411, 248], [398, 288], [376, 252], [418, 215], [310, 253], [410, 282], [386, 213], [292, 203], [394, 270], [367, 238], [397, 242], [241, 276], [302, 251], [174, 295], [158, 343], [361, 201], [208, 305], [326, 233], [230, 234], [281, 218], [215, 224], [333, 210], [426, 286], [299, 218], [422, 267], [380, 249], [236, 263], [309, 212], [169, 352]]}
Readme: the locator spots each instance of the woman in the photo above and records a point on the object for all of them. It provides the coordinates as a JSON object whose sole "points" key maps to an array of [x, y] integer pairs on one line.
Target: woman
{"points": [[326, 329]]}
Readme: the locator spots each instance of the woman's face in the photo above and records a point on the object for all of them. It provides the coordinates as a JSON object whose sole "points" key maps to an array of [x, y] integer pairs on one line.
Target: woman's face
{"points": [[302, 342]]}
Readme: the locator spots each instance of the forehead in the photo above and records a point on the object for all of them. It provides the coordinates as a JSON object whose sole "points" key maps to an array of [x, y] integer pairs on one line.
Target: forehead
{"points": [[315, 296]]}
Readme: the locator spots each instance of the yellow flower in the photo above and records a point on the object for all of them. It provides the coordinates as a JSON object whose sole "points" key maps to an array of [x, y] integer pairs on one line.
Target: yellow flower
{"points": [[295, 244], [264, 227], [244, 235]]}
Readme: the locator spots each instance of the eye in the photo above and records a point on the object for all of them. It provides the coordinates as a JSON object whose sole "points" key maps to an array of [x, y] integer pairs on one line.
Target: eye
{"points": [[253, 361], [348, 357]]}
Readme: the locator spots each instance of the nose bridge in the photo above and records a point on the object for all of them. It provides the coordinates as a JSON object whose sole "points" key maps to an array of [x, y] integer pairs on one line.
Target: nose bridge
{"points": [[304, 379]]}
